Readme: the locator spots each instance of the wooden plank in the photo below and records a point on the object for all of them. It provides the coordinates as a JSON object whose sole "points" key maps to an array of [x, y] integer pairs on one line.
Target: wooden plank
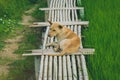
{"points": [[63, 18], [84, 68], [61, 15], [62, 8], [41, 69], [45, 37], [45, 68], [52, 18], [44, 24], [58, 5], [82, 50], [37, 66], [69, 69], [36, 25], [51, 59], [76, 11], [55, 11], [60, 68], [50, 68], [68, 11], [79, 68], [64, 68], [73, 19], [74, 3], [55, 71], [38, 54], [74, 70]]}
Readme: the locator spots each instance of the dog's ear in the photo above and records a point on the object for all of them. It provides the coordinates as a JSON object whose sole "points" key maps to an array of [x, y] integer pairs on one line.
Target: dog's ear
{"points": [[50, 22], [60, 26]]}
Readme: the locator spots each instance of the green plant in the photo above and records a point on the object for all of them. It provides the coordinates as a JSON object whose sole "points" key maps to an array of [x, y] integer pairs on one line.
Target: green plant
{"points": [[33, 1], [22, 69], [7, 25], [40, 15], [13, 9], [103, 35], [10, 14], [1, 44]]}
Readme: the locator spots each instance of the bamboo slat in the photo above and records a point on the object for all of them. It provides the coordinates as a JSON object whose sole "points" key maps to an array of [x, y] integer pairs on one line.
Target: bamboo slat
{"points": [[79, 69], [69, 68], [74, 70], [44, 24], [63, 8], [60, 68], [50, 68], [50, 51], [64, 68], [55, 71], [37, 66], [84, 68], [45, 77], [41, 69]]}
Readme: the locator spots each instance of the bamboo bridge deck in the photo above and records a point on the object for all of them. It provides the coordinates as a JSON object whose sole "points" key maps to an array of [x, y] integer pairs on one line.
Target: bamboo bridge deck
{"points": [[67, 67]]}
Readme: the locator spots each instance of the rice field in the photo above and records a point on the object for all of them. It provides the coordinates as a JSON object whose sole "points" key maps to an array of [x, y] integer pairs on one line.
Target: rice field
{"points": [[103, 34]]}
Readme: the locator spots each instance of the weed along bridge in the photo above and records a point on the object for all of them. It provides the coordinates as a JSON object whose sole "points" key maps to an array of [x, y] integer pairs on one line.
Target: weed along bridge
{"points": [[66, 67]]}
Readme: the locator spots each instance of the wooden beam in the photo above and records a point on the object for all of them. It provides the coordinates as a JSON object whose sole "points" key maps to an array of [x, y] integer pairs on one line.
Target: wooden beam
{"points": [[38, 52], [43, 24], [64, 8], [51, 50]]}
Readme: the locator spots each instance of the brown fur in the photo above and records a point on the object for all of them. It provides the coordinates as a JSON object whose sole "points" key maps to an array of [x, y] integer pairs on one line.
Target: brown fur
{"points": [[68, 41]]}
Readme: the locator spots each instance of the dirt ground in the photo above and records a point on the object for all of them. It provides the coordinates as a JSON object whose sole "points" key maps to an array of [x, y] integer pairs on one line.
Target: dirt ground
{"points": [[6, 54]]}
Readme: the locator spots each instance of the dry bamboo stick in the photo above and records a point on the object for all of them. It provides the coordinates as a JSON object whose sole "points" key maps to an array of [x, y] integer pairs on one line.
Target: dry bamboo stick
{"points": [[61, 8]]}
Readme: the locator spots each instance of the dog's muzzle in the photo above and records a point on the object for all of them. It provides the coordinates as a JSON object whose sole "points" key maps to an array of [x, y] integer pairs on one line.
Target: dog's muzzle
{"points": [[49, 35]]}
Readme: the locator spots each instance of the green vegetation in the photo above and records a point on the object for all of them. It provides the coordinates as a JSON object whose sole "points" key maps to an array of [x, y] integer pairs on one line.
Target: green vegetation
{"points": [[38, 14], [7, 26], [103, 35], [10, 15], [23, 69], [14, 8]]}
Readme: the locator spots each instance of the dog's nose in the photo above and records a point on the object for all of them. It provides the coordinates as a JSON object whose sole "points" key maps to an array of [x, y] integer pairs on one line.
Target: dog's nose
{"points": [[48, 35]]}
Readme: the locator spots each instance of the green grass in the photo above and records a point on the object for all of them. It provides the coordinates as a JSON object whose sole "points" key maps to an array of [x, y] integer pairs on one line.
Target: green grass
{"points": [[23, 69], [103, 35], [14, 9], [38, 14], [10, 14], [4, 61]]}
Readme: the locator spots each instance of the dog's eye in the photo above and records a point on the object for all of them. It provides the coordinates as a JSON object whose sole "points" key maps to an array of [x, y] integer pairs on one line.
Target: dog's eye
{"points": [[53, 30]]}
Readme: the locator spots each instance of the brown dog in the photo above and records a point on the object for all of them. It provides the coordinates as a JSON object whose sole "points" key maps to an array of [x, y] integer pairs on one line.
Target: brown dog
{"points": [[68, 41]]}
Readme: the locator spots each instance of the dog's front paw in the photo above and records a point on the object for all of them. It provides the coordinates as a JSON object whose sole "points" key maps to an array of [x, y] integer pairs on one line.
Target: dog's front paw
{"points": [[57, 49], [47, 45]]}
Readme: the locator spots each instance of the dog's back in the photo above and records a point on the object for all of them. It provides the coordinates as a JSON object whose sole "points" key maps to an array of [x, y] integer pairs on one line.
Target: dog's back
{"points": [[69, 40]]}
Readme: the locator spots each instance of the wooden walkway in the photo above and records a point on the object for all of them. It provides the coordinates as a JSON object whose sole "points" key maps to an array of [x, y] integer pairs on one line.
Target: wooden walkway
{"points": [[67, 67]]}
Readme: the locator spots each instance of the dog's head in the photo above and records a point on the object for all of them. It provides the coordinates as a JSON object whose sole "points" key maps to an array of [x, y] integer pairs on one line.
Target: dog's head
{"points": [[55, 29]]}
